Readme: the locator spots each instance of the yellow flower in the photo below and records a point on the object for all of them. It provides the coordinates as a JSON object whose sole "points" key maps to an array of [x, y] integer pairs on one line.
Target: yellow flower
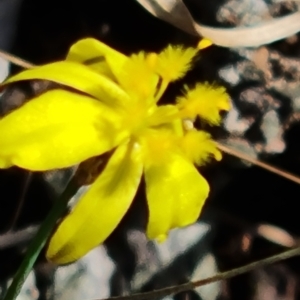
{"points": [[113, 106]]}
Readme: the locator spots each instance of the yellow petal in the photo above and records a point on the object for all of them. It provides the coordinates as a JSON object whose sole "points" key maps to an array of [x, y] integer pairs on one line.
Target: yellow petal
{"points": [[100, 210], [176, 193], [157, 143], [113, 58], [91, 53], [76, 76], [55, 130]]}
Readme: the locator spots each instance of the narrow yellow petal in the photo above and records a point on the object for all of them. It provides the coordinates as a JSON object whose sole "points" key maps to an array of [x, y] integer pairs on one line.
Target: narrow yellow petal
{"points": [[76, 76], [57, 129], [138, 78], [91, 52], [174, 62], [199, 147], [100, 210], [206, 101], [176, 193], [113, 58]]}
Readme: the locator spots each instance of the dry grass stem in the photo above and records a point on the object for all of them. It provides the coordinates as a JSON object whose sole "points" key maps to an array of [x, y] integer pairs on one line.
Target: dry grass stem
{"points": [[160, 293], [16, 60]]}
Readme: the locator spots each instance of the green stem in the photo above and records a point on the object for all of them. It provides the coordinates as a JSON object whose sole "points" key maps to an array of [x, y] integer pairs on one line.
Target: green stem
{"points": [[40, 240]]}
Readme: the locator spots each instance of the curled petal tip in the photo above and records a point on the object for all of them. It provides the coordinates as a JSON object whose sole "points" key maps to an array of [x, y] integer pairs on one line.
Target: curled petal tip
{"points": [[204, 43]]}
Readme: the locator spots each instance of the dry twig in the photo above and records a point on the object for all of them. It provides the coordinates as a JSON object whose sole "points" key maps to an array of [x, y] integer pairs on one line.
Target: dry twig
{"points": [[160, 293], [176, 13]]}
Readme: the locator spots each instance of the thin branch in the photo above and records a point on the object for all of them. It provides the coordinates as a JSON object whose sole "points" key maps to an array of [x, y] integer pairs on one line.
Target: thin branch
{"points": [[259, 163], [160, 293], [16, 60], [22, 63]]}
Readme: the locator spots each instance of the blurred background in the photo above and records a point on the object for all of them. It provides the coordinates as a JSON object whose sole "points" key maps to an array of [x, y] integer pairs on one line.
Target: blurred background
{"points": [[250, 214]]}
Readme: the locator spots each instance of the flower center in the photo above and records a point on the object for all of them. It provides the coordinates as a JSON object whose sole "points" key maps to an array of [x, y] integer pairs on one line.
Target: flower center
{"points": [[135, 118]]}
